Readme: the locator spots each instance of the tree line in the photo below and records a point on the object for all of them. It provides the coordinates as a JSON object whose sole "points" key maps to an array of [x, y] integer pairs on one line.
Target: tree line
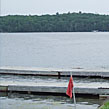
{"points": [[66, 22]]}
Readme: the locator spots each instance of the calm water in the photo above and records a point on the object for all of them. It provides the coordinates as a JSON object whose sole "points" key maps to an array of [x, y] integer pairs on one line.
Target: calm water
{"points": [[25, 101], [55, 50]]}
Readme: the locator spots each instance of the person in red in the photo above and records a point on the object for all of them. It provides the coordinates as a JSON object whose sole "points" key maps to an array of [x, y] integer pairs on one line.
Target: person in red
{"points": [[70, 87]]}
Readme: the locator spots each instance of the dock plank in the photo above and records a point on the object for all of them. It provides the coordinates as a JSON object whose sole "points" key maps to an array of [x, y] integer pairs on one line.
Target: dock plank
{"points": [[103, 73], [52, 89]]}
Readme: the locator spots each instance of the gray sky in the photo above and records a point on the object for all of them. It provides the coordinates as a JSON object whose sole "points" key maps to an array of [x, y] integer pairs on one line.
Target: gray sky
{"points": [[40, 7]]}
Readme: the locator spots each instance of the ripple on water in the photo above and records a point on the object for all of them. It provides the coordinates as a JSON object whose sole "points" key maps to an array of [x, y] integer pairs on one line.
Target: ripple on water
{"points": [[25, 101]]}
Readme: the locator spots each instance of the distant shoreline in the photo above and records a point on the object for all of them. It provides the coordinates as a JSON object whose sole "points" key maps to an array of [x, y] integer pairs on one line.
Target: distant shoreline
{"points": [[67, 22], [60, 32]]}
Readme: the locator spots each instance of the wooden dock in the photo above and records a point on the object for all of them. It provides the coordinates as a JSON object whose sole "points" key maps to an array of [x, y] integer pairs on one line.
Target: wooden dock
{"points": [[53, 89], [54, 72], [56, 87]]}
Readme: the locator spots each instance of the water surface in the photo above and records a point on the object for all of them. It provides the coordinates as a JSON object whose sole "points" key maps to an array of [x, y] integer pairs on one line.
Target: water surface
{"points": [[25, 101], [55, 50]]}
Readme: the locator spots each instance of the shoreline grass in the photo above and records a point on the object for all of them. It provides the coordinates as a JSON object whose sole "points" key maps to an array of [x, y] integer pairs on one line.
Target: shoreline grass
{"points": [[105, 106]]}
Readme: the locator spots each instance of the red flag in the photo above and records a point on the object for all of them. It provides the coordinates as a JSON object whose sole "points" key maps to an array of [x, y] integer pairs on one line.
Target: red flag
{"points": [[70, 86]]}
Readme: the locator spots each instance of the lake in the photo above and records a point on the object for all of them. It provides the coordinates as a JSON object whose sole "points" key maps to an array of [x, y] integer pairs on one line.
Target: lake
{"points": [[88, 50]]}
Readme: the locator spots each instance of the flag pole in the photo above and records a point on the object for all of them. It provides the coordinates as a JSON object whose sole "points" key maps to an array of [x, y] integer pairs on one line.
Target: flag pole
{"points": [[73, 94], [74, 97]]}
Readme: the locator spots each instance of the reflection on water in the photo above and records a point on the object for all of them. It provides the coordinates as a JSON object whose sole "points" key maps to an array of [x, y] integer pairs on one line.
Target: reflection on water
{"points": [[27, 101]]}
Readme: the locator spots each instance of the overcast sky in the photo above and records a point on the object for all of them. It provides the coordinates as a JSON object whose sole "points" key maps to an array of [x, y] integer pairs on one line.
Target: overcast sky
{"points": [[40, 7]]}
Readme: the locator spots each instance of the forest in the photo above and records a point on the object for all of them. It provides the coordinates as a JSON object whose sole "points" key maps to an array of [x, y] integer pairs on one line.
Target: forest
{"points": [[66, 22]]}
